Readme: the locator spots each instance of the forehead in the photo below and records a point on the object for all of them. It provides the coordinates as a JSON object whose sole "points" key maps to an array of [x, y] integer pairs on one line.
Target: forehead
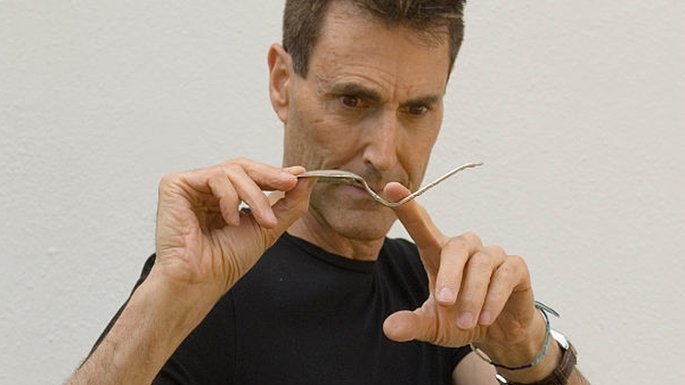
{"points": [[352, 42]]}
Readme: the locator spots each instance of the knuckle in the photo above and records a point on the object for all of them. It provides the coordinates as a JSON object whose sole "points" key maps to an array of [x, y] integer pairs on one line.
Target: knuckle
{"points": [[219, 170], [229, 166], [239, 160], [214, 173], [456, 243], [471, 238], [480, 261], [168, 180], [515, 265], [520, 262], [496, 250], [229, 169], [505, 271]]}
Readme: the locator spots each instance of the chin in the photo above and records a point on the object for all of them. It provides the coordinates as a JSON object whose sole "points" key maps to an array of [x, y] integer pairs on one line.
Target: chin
{"points": [[363, 229], [358, 219]]}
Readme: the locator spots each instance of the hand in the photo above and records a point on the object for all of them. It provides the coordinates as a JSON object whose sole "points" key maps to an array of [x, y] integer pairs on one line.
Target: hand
{"points": [[204, 241], [477, 293]]}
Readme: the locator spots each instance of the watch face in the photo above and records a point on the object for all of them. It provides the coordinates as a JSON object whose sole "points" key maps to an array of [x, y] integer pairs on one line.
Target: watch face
{"points": [[560, 338]]}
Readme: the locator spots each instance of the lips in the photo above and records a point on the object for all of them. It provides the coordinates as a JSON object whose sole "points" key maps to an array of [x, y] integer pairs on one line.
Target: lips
{"points": [[358, 188], [377, 189], [374, 179], [352, 192]]}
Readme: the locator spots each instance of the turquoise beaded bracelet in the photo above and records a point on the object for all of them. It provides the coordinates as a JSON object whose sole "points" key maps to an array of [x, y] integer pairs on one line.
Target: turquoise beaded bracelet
{"points": [[544, 309]]}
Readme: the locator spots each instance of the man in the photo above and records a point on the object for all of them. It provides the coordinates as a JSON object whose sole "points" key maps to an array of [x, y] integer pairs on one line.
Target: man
{"points": [[359, 86]]}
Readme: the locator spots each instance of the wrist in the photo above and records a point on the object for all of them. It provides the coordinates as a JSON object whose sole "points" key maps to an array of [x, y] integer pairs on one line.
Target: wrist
{"points": [[564, 372], [519, 347], [179, 306], [543, 369], [528, 354]]}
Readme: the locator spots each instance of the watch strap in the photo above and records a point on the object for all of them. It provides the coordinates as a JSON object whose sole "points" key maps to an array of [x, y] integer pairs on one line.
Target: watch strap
{"points": [[560, 375]]}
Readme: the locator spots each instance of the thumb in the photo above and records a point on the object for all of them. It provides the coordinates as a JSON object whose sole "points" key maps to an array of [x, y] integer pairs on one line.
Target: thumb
{"points": [[407, 325], [292, 205]]}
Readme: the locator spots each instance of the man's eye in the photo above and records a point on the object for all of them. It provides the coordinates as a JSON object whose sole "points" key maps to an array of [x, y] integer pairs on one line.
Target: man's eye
{"points": [[417, 110], [350, 101]]}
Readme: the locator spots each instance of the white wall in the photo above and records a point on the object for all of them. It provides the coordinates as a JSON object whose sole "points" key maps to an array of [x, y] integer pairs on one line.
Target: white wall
{"points": [[577, 108]]}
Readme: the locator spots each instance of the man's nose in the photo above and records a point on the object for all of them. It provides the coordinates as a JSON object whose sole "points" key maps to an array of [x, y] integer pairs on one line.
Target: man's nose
{"points": [[382, 137]]}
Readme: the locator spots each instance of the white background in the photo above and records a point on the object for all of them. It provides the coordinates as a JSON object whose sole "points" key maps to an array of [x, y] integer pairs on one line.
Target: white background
{"points": [[576, 107]]}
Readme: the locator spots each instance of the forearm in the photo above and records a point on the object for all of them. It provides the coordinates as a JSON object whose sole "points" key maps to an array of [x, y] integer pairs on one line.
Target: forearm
{"points": [[155, 321]]}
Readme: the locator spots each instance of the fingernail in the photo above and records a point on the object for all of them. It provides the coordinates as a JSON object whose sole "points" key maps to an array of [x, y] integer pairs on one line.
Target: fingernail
{"points": [[446, 295], [294, 170], [485, 318], [465, 320]]}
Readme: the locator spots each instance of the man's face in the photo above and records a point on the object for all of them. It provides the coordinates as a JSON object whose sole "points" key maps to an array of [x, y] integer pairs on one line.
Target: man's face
{"points": [[371, 103]]}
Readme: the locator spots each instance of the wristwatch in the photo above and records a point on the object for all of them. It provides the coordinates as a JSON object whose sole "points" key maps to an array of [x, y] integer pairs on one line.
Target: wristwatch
{"points": [[561, 374]]}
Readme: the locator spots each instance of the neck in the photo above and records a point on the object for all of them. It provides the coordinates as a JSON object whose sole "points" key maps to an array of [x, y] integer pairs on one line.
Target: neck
{"points": [[319, 233]]}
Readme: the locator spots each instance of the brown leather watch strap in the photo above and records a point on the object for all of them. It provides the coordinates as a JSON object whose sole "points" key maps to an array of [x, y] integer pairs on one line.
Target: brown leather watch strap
{"points": [[561, 374]]}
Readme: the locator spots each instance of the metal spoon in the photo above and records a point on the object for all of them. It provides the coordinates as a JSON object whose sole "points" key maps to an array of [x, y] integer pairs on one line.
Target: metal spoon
{"points": [[352, 178]]}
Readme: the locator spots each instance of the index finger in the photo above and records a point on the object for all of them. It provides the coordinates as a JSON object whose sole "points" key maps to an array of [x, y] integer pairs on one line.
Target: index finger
{"points": [[267, 177], [415, 219]]}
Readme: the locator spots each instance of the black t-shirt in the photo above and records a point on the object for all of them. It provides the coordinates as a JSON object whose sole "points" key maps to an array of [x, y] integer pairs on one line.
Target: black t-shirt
{"points": [[305, 316]]}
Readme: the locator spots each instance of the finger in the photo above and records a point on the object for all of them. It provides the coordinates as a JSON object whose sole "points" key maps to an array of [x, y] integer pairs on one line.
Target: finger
{"points": [[227, 197], [510, 275], [453, 257], [267, 177], [291, 207], [477, 276], [415, 219], [249, 192], [408, 325]]}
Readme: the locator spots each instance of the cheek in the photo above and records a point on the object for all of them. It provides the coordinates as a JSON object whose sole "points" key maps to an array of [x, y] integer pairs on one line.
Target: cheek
{"points": [[322, 141], [336, 144]]}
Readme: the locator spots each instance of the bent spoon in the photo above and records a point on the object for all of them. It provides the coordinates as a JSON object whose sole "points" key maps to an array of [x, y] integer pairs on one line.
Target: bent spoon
{"points": [[352, 178]]}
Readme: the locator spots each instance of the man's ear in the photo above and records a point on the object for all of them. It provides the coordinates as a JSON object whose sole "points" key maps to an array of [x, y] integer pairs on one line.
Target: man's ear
{"points": [[280, 67]]}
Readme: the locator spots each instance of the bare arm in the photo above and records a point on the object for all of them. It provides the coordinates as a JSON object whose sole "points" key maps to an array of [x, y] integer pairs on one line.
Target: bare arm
{"points": [[203, 246], [471, 370], [155, 321]]}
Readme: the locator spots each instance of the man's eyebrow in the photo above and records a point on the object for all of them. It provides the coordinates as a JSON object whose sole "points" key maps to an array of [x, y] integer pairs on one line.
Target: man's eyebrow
{"points": [[428, 100], [356, 89]]}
